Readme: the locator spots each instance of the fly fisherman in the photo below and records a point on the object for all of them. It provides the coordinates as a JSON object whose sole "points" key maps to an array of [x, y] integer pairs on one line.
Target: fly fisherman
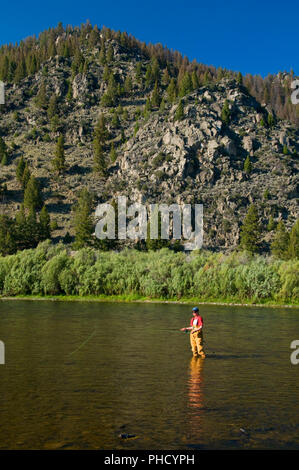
{"points": [[196, 337]]}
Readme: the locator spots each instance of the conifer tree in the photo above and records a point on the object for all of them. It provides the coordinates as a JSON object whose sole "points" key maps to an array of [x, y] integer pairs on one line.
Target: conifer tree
{"points": [[32, 228], [41, 98], [100, 131], [162, 105], [128, 86], [240, 78], [102, 55], [250, 231], [195, 81], [293, 248], [225, 113], [138, 72], [179, 114], [52, 108], [247, 165], [32, 195], [165, 77], [3, 152], [115, 121], [26, 176], [44, 223], [69, 94], [185, 85], [156, 99], [148, 76], [172, 91], [271, 120], [280, 244], [98, 157], [20, 170], [59, 160], [82, 220], [110, 54], [113, 155]]}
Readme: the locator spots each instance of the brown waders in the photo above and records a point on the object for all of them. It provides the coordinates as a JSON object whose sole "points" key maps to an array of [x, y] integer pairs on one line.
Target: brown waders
{"points": [[196, 341]]}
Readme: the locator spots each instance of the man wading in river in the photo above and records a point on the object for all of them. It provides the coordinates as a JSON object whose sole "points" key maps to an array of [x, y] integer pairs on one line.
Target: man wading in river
{"points": [[196, 337]]}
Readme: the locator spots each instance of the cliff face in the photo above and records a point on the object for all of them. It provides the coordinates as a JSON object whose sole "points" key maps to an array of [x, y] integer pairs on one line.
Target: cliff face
{"points": [[196, 158]]}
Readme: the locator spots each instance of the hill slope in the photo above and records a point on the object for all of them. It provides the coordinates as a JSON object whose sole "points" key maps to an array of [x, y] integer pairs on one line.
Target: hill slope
{"points": [[151, 153]]}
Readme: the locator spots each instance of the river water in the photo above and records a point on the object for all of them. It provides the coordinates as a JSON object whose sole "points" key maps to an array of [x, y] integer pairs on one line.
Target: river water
{"points": [[84, 375]]}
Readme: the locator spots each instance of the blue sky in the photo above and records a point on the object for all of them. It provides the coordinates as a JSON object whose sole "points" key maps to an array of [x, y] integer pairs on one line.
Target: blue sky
{"points": [[257, 37]]}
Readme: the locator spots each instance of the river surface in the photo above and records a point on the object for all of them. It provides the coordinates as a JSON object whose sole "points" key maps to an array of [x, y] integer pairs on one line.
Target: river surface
{"points": [[84, 375]]}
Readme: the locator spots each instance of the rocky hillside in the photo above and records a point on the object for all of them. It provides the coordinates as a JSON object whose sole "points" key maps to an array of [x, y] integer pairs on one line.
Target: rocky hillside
{"points": [[179, 149]]}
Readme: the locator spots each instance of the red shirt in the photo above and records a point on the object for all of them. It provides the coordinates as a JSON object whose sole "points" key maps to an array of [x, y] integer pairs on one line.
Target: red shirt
{"points": [[199, 321]]}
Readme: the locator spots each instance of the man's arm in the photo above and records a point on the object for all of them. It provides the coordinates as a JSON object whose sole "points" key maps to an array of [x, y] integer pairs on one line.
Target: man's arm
{"points": [[197, 329]]}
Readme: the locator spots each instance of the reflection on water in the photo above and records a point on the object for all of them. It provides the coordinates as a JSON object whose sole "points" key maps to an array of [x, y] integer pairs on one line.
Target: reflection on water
{"points": [[196, 394], [88, 376], [195, 384]]}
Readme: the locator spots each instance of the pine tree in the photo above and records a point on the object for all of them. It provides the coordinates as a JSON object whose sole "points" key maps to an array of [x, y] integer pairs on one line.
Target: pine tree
{"points": [[185, 86], [148, 106], [138, 72], [3, 152], [247, 165], [69, 94], [106, 74], [100, 131], [293, 248], [250, 231], [82, 220], [179, 114], [20, 170], [110, 54], [113, 155], [225, 113], [115, 121], [32, 195], [26, 176], [280, 244], [102, 55], [156, 99], [148, 76], [32, 228], [162, 106], [195, 81], [240, 78], [128, 86], [52, 108], [99, 158], [41, 98], [155, 72], [44, 223], [165, 77], [271, 120], [59, 160]]}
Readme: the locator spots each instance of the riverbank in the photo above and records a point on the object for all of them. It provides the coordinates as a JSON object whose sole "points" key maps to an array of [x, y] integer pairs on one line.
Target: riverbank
{"points": [[139, 299], [54, 272]]}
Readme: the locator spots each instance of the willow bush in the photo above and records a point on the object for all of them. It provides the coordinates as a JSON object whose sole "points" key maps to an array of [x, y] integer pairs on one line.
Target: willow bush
{"points": [[52, 270]]}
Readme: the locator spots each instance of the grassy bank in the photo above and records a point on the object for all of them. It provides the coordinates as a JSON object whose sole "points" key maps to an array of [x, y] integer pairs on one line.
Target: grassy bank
{"points": [[239, 278], [140, 299]]}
